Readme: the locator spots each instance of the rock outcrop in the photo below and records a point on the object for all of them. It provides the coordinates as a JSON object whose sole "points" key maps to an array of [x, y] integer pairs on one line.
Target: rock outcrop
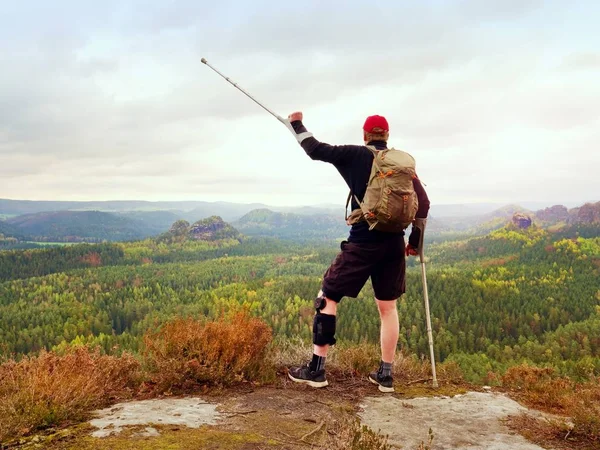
{"points": [[211, 229], [588, 213], [556, 213], [522, 221]]}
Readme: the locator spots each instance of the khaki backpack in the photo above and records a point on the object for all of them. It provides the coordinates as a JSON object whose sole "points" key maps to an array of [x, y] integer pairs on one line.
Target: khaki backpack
{"points": [[390, 202]]}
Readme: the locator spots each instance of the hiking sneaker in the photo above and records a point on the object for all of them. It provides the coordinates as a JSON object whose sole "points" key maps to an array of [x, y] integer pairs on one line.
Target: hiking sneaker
{"points": [[303, 374], [384, 384]]}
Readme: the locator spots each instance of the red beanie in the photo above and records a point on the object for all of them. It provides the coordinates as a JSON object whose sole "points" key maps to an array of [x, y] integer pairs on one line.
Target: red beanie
{"points": [[375, 122]]}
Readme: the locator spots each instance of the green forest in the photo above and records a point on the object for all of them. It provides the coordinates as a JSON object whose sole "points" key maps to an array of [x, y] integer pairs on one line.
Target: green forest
{"points": [[497, 300]]}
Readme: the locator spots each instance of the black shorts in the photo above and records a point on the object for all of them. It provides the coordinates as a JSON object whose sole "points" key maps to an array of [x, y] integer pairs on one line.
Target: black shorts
{"points": [[382, 261]]}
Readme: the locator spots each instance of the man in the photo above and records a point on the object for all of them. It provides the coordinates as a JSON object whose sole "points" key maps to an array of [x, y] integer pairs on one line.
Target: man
{"points": [[366, 253]]}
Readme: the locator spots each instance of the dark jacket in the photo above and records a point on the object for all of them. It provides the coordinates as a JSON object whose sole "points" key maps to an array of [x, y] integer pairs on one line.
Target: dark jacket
{"points": [[354, 162]]}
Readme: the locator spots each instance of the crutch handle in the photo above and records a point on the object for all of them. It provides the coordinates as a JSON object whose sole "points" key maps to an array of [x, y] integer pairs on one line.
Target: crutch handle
{"points": [[421, 224]]}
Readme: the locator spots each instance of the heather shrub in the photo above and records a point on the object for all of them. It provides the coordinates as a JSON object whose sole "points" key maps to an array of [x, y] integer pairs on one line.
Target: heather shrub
{"points": [[45, 390], [540, 387], [578, 403], [585, 412], [184, 353]]}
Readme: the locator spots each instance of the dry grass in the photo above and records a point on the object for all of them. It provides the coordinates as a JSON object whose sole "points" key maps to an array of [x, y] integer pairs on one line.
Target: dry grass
{"points": [[586, 414], [357, 361], [45, 390], [553, 433], [289, 352], [182, 356], [186, 353], [353, 360], [50, 389], [542, 389], [349, 434], [360, 360], [343, 361], [547, 433]]}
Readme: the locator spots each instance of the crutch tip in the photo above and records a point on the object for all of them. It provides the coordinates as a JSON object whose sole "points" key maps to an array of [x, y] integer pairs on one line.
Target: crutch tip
{"points": [[203, 60]]}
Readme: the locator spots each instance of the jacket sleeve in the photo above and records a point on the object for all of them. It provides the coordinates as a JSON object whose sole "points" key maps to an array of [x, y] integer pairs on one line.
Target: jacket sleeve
{"points": [[338, 155], [415, 234]]}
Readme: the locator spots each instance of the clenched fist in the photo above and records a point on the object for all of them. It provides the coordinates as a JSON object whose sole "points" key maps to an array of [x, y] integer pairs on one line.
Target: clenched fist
{"points": [[295, 116]]}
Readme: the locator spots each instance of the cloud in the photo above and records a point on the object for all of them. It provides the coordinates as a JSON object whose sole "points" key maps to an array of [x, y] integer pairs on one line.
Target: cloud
{"points": [[582, 61], [112, 97], [497, 10]]}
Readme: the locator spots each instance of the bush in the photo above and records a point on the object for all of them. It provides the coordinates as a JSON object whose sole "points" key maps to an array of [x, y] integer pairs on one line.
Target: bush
{"points": [[585, 414], [45, 390], [540, 387], [580, 427], [185, 352]]}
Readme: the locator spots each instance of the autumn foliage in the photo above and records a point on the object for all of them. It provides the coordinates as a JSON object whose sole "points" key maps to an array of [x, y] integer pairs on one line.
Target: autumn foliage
{"points": [[187, 352], [92, 258], [541, 388], [50, 389], [46, 390]]}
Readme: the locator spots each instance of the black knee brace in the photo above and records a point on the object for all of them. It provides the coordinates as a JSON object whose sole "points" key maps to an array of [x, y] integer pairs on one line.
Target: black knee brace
{"points": [[324, 329]]}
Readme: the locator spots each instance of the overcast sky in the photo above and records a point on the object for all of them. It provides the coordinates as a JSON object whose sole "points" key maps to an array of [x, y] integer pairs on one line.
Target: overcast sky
{"points": [[498, 101]]}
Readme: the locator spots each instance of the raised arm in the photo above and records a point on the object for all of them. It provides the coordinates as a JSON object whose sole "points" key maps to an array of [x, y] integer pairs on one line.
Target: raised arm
{"points": [[337, 155]]}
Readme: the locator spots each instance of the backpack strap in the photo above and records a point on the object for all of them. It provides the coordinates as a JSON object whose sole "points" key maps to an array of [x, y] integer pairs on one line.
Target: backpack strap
{"points": [[356, 215], [346, 208], [350, 195], [374, 151]]}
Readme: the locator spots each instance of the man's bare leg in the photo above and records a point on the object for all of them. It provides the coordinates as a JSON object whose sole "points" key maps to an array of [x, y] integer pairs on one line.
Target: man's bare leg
{"points": [[390, 329], [389, 340]]}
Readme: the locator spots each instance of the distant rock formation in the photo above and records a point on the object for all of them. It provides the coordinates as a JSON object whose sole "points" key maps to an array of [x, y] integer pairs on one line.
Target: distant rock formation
{"points": [[210, 229], [521, 220], [588, 213], [556, 213]]}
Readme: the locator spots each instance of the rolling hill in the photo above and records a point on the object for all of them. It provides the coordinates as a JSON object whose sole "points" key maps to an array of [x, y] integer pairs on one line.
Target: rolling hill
{"points": [[299, 224], [264, 222], [154, 222], [9, 230], [78, 226]]}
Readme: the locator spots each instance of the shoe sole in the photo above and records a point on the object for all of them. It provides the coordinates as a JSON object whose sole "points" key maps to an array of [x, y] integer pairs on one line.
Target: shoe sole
{"points": [[380, 387], [315, 384]]}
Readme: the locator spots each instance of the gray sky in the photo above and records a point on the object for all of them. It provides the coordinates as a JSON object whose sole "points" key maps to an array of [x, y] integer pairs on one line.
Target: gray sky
{"points": [[497, 100]]}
